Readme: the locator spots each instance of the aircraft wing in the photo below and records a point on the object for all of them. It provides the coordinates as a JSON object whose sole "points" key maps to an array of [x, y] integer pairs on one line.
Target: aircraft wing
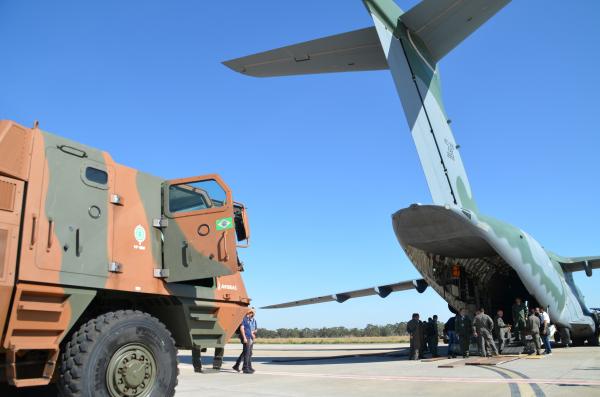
{"points": [[352, 51], [443, 24], [383, 291], [583, 263]]}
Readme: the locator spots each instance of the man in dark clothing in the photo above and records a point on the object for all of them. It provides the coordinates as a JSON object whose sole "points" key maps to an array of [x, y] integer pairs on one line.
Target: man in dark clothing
{"points": [[450, 333], [482, 329], [426, 332], [500, 330], [532, 326], [434, 335], [519, 314], [463, 329], [415, 330], [247, 336]]}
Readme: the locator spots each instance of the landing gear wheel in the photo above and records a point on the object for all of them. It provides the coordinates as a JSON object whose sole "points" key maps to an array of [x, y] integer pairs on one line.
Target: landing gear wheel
{"points": [[557, 337], [565, 337], [119, 354]]}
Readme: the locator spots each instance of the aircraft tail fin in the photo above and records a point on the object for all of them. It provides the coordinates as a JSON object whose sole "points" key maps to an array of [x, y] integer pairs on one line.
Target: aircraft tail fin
{"points": [[409, 44]]}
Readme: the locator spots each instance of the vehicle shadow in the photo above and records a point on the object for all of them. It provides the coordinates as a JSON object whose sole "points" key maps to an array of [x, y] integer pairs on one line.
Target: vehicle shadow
{"points": [[392, 355], [45, 391]]}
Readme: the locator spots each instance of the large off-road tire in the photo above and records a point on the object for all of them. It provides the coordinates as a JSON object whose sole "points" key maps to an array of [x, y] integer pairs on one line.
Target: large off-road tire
{"points": [[123, 353]]}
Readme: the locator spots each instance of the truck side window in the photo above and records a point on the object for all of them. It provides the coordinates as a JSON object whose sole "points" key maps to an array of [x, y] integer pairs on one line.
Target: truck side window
{"points": [[95, 175], [194, 196]]}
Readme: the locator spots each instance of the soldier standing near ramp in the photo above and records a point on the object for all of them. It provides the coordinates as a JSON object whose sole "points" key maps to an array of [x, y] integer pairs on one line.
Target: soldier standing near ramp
{"points": [[533, 330], [482, 329], [415, 330], [434, 335], [462, 324], [500, 330], [519, 314]]}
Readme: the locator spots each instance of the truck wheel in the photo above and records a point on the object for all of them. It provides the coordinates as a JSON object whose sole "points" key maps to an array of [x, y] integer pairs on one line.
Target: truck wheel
{"points": [[119, 354]]}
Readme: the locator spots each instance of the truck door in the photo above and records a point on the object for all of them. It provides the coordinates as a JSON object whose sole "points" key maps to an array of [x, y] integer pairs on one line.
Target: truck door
{"points": [[11, 201], [199, 237], [76, 208]]}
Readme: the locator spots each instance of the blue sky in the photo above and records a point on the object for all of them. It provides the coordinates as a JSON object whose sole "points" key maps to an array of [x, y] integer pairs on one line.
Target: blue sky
{"points": [[321, 161]]}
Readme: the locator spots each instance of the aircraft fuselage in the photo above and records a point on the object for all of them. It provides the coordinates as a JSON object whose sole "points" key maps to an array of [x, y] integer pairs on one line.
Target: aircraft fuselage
{"points": [[472, 261]]}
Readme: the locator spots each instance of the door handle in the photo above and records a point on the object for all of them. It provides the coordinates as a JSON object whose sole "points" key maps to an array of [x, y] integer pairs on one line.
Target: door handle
{"points": [[77, 246], [33, 239], [187, 254], [50, 235], [224, 251]]}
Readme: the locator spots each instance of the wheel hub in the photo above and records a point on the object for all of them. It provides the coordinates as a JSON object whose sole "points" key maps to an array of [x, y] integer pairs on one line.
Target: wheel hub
{"points": [[131, 371]]}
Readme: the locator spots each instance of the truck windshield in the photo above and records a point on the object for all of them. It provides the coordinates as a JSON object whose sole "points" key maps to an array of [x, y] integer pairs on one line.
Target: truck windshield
{"points": [[194, 196]]}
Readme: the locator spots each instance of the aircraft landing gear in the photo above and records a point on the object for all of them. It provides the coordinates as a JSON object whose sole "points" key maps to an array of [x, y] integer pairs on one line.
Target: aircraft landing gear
{"points": [[563, 335]]}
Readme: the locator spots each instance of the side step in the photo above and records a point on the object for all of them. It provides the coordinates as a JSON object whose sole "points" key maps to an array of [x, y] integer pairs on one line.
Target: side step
{"points": [[39, 318]]}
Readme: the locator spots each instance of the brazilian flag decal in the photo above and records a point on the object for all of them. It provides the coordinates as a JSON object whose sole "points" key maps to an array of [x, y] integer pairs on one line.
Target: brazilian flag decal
{"points": [[224, 223]]}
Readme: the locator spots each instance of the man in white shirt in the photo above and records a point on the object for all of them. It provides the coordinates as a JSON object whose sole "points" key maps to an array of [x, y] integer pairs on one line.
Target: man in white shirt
{"points": [[545, 330]]}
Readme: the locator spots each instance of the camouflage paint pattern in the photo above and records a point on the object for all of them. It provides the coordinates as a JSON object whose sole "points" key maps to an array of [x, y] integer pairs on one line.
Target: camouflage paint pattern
{"points": [[411, 44], [418, 84], [71, 228]]}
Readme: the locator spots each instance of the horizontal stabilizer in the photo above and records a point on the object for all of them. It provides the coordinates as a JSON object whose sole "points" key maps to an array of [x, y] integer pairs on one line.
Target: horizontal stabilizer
{"points": [[347, 52], [443, 24], [383, 291], [581, 264]]}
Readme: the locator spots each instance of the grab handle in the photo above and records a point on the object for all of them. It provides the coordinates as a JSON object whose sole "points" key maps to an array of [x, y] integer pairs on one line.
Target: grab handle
{"points": [[34, 219], [50, 235]]}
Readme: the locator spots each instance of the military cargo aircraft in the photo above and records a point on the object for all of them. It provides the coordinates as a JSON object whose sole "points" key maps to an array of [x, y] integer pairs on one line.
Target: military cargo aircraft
{"points": [[470, 259]]}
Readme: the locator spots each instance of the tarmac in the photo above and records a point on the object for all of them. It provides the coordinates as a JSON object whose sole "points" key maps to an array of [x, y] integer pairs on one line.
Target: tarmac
{"points": [[383, 370]]}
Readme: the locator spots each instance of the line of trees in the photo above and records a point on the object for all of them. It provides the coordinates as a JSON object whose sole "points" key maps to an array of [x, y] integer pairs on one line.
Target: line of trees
{"points": [[396, 329]]}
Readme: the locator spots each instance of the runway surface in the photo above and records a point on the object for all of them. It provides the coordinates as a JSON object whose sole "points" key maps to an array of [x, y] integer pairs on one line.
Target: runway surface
{"points": [[382, 370]]}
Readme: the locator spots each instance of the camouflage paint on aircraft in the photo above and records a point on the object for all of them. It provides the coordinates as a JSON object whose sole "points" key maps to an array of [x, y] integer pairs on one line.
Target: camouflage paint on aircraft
{"points": [[452, 232]]}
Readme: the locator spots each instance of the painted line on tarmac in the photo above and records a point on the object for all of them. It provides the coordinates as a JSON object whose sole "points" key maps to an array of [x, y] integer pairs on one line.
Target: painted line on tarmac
{"points": [[537, 390], [515, 389], [562, 382]]}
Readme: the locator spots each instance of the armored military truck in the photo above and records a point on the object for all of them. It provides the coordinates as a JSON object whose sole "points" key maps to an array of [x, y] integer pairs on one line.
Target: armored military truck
{"points": [[105, 271]]}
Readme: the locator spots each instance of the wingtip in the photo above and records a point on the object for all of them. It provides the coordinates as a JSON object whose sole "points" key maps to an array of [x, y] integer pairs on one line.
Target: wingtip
{"points": [[233, 65]]}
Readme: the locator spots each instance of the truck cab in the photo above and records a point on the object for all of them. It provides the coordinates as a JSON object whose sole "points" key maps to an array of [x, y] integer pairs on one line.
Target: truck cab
{"points": [[86, 241]]}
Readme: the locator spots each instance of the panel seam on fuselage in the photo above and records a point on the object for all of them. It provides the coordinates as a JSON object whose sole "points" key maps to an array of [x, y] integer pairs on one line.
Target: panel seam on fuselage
{"points": [[428, 120]]}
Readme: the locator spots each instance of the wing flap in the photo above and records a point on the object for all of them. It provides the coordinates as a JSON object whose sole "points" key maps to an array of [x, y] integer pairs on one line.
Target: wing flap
{"points": [[580, 264], [382, 290], [443, 24], [358, 50]]}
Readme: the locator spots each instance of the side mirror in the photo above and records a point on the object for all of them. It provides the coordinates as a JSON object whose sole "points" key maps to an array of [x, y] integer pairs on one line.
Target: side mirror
{"points": [[242, 229]]}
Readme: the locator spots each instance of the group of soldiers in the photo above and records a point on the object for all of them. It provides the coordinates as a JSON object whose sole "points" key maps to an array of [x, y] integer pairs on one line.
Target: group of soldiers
{"points": [[424, 336], [460, 329]]}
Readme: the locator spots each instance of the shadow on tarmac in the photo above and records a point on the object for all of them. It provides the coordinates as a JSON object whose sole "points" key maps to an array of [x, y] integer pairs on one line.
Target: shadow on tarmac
{"points": [[392, 355]]}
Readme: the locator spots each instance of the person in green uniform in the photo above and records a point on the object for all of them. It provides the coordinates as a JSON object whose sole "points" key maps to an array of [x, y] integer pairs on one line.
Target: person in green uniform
{"points": [[519, 314], [483, 325], [500, 330], [533, 330], [415, 330]]}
